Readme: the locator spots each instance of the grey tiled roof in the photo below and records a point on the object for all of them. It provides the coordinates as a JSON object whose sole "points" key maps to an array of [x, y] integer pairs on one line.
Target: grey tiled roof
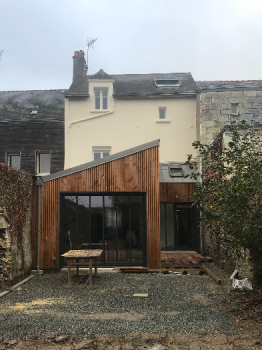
{"points": [[164, 176], [18, 105], [139, 85], [232, 85]]}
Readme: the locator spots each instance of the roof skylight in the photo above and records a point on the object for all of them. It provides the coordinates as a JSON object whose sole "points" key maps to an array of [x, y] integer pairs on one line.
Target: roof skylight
{"points": [[175, 171], [167, 82]]}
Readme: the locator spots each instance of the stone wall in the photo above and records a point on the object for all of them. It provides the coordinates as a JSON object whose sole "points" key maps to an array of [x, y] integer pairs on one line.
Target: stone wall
{"points": [[15, 224], [214, 107]]}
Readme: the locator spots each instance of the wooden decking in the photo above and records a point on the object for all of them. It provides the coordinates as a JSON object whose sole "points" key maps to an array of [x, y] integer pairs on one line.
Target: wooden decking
{"points": [[182, 258]]}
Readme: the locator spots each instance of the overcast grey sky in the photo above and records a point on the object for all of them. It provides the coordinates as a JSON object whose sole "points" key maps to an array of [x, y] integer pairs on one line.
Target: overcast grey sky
{"points": [[212, 39]]}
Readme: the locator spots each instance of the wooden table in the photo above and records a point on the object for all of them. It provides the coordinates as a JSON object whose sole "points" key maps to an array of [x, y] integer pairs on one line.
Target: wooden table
{"points": [[73, 257]]}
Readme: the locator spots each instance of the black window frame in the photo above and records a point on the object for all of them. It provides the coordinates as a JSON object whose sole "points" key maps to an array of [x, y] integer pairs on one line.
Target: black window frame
{"points": [[142, 194]]}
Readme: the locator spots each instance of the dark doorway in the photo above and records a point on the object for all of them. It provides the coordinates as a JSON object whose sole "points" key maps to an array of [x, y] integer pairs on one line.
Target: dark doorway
{"points": [[114, 222], [178, 226]]}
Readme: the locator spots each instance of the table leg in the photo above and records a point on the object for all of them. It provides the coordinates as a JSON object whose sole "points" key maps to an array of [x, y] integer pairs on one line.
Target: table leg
{"points": [[90, 272], [95, 265], [69, 272], [77, 267]]}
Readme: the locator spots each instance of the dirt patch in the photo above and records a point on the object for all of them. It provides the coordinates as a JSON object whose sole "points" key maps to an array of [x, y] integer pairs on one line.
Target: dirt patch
{"points": [[139, 341]]}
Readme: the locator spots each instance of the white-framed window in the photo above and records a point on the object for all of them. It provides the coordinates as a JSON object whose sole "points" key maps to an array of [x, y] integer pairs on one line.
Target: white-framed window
{"points": [[234, 108], [14, 160], [101, 98], [101, 152], [162, 112], [43, 163]]}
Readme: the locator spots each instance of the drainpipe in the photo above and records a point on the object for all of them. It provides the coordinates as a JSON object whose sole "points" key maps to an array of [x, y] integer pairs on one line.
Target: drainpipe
{"points": [[39, 187]]}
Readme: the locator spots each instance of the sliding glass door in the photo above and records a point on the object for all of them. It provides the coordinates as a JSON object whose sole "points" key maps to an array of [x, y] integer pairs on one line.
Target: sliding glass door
{"points": [[114, 222]]}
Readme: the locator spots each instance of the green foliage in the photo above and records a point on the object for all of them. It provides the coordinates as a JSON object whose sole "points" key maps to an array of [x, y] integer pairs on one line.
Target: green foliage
{"points": [[230, 198]]}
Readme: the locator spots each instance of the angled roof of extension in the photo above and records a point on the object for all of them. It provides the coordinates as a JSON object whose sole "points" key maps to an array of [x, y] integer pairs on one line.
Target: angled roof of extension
{"points": [[138, 85], [229, 85], [32, 105], [97, 162]]}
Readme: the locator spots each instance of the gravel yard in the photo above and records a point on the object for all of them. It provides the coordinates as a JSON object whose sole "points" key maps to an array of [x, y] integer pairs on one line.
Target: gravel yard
{"points": [[175, 305]]}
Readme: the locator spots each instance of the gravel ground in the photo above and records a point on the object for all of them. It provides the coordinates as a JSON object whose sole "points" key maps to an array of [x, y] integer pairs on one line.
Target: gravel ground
{"points": [[175, 304]]}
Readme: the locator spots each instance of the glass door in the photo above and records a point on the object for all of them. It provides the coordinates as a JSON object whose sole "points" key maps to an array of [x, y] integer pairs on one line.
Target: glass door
{"points": [[114, 223]]}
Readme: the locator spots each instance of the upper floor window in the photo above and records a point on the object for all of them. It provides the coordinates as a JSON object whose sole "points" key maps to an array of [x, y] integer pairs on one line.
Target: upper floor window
{"points": [[162, 113], [234, 108], [101, 99], [99, 153], [43, 163], [14, 160]]}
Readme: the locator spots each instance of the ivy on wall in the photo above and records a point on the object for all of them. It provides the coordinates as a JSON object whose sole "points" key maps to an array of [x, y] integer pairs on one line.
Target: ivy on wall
{"points": [[15, 198]]}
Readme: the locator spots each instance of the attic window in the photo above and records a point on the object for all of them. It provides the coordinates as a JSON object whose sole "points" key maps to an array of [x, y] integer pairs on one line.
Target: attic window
{"points": [[167, 82], [33, 113], [175, 172]]}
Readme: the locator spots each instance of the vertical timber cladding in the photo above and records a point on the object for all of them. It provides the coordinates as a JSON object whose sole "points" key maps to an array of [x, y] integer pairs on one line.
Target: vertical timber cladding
{"points": [[176, 192], [135, 172]]}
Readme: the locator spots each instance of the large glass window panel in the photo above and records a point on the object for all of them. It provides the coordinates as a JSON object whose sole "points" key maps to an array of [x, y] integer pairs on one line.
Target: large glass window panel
{"points": [[96, 235], [70, 223], [170, 229], [136, 230], [124, 233], [110, 236], [162, 226], [83, 222]]}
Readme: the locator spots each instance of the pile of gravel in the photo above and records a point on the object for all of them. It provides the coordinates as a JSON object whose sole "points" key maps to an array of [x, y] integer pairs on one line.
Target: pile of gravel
{"points": [[45, 304]]}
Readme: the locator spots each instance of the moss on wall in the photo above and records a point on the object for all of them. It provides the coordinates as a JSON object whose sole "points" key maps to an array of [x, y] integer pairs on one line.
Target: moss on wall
{"points": [[15, 198]]}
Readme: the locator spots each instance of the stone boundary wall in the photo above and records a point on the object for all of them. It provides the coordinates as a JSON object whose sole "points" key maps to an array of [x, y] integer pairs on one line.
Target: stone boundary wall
{"points": [[15, 224], [215, 110]]}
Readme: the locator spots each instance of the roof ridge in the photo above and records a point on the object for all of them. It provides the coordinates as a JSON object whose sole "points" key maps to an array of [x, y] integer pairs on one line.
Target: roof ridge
{"points": [[223, 81], [33, 90]]}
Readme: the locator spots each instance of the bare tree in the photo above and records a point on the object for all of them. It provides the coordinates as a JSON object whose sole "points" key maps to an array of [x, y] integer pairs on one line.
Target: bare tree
{"points": [[1, 53]]}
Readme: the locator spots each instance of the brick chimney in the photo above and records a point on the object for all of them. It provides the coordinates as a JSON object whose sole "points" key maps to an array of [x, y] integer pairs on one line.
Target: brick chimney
{"points": [[79, 66]]}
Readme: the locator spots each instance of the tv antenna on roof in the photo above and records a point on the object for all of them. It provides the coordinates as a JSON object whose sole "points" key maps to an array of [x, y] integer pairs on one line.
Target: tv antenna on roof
{"points": [[90, 45], [1, 52]]}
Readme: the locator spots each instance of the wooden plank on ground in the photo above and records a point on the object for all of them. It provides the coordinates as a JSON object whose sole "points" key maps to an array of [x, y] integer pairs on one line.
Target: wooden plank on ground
{"points": [[22, 282], [211, 274]]}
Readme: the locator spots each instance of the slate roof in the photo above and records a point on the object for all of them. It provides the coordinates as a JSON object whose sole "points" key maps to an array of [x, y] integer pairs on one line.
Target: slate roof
{"points": [[229, 85], [164, 176], [138, 85], [18, 105]]}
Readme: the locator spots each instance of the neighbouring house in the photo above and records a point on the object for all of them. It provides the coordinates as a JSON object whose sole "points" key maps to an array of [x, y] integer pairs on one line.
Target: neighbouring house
{"points": [[221, 102], [32, 130]]}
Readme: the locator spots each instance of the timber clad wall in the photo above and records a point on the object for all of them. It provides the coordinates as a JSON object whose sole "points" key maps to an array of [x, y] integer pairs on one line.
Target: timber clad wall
{"points": [[137, 172], [176, 192], [29, 137]]}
